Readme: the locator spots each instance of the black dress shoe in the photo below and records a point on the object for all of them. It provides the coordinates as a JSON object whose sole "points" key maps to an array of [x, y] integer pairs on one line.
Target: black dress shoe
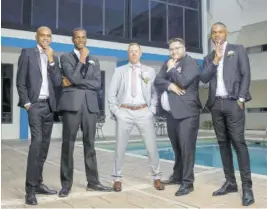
{"points": [[43, 189], [98, 187], [171, 180], [247, 198], [226, 188], [184, 190], [64, 192], [30, 199]]}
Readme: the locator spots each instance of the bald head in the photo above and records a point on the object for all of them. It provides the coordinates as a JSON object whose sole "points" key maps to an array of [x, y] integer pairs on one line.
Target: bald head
{"points": [[219, 32], [43, 36]]}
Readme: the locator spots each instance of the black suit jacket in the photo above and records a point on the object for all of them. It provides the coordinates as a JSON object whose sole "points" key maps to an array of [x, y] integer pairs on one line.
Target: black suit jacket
{"points": [[84, 87], [236, 74], [187, 105], [29, 78]]}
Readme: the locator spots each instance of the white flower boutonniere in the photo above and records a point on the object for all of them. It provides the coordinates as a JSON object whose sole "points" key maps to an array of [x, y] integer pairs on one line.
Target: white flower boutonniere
{"points": [[92, 62], [179, 69], [145, 76], [230, 53]]}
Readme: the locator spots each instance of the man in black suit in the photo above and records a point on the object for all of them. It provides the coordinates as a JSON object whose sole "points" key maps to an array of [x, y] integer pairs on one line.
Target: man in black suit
{"points": [[37, 77], [178, 79], [228, 71], [79, 106]]}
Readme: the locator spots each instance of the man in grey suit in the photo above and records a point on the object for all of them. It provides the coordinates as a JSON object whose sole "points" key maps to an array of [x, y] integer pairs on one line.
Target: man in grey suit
{"points": [[79, 106], [179, 79], [37, 78], [228, 71], [132, 100]]}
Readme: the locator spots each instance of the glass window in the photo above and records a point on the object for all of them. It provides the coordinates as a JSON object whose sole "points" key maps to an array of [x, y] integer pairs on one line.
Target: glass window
{"points": [[140, 19], [44, 13], [69, 13], [187, 3], [6, 94], [93, 16], [192, 27], [175, 22], [158, 22], [12, 11], [115, 18]]}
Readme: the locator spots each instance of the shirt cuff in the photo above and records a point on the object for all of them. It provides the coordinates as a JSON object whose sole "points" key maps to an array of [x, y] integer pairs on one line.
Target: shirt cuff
{"points": [[52, 64], [241, 100], [27, 104]]}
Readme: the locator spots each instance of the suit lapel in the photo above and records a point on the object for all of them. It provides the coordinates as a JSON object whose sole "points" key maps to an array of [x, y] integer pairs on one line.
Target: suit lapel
{"points": [[37, 54], [226, 61]]}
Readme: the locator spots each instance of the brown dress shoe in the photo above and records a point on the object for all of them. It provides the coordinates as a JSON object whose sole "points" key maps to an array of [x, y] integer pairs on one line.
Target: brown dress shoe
{"points": [[117, 186], [158, 185]]}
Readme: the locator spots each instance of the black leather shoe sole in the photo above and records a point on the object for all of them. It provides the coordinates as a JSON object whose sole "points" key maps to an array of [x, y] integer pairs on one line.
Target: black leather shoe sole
{"points": [[30, 203], [225, 192]]}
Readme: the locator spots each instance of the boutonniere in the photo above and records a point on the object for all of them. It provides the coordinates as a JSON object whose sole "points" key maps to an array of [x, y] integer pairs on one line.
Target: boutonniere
{"points": [[91, 62], [179, 69], [145, 76], [230, 53]]}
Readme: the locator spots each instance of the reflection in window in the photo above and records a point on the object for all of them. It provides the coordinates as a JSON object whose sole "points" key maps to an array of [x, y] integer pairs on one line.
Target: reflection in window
{"points": [[12, 11], [140, 19], [6, 94], [192, 35], [158, 22], [93, 16], [114, 18], [69, 14], [188, 3], [44, 13], [175, 22]]}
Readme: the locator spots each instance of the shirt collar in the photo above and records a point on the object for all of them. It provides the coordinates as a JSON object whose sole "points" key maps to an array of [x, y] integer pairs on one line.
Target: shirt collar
{"points": [[137, 64], [40, 48], [76, 52]]}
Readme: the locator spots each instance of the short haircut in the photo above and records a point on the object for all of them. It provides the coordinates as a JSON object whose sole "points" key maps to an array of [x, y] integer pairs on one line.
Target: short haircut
{"points": [[77, 29], [134, 44], [180, 40], [217, 23]]}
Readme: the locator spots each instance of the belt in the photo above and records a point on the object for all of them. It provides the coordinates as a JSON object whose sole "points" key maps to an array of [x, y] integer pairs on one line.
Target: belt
{"points": [[43, 100], [222, 97], [138, 107]]}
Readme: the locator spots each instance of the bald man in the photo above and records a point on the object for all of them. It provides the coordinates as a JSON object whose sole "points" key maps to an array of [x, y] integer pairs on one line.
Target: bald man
{"points": [[38, 76]]}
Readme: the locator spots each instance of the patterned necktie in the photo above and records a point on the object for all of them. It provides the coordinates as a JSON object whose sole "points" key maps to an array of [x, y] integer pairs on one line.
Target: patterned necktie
{"points": [[133, 82]]}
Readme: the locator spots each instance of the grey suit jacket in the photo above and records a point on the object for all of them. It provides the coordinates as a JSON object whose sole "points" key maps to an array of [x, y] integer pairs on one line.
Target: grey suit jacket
{"points": [[29, 78], [187, 77], [118, 88], [83, 89], [236, 74]]}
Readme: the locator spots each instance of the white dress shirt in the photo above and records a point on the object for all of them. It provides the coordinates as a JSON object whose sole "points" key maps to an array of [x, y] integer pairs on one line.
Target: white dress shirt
{"points": [[77, 53], [139, 99], [221, 89], [44, 93]]}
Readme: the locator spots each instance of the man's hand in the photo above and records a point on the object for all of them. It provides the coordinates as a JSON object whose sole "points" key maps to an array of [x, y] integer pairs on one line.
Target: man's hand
{"points": [[49, 52], [241, 104], [66, 82], [177, 90], [171, 63], [84, 52], [218, 53]]}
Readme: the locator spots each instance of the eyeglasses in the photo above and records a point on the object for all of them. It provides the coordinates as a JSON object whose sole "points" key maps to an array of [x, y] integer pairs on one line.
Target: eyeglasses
{"points": [[175, 49]]}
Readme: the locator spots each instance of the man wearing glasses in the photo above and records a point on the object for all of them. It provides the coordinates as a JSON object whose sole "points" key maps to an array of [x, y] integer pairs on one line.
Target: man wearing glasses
{"points": [[178, 82]]}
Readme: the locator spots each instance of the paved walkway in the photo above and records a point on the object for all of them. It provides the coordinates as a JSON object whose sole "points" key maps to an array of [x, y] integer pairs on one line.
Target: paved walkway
{"points": [[138, 191]]}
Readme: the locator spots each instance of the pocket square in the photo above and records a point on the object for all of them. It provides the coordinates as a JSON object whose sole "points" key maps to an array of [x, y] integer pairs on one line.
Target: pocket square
{"points": [[179, 69]]}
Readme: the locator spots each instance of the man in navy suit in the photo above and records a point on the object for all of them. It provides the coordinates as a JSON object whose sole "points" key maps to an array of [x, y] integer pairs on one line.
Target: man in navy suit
{"points": [[227, 70], [38, 76]]}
